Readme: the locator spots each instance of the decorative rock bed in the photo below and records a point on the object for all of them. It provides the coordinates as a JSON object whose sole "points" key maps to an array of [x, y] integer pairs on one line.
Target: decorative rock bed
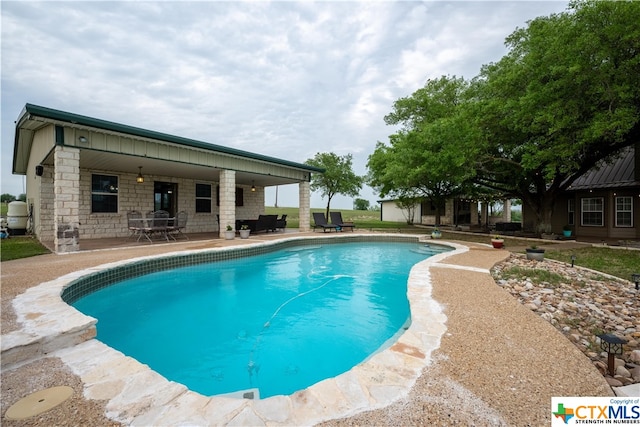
{"points": [[584, 304]]}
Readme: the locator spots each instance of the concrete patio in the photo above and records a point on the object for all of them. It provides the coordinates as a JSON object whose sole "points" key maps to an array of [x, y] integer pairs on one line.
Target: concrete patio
{"points": [[490, 362]]}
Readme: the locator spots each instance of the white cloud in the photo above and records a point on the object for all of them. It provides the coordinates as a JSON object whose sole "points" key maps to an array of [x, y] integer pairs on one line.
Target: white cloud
{"points": [[284, 79]]}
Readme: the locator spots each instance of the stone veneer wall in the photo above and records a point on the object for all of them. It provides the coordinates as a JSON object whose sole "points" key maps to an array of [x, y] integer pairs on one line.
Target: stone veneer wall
{"points": [[227, 200], [43, 213], [253, 204], [135, 196], [66, 187], [304, 197]]}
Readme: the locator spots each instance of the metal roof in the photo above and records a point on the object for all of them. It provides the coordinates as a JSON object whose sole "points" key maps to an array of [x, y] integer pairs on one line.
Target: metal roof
{"points": [[616, 172], [30, 112]]}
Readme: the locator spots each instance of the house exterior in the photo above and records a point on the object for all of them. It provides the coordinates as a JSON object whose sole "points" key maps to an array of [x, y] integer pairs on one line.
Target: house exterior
{"points": [[84, 174], [603, 204], [458, 212]]}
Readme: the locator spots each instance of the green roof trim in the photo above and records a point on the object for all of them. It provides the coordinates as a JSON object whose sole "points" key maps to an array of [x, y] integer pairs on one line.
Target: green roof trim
{"points": [[63, 116]]}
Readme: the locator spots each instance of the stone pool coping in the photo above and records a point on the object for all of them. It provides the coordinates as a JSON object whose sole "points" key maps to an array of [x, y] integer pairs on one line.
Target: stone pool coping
{"points": [[137, 395]]}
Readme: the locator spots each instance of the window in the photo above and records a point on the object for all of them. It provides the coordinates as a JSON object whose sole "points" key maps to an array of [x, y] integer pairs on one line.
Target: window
{"points": [[593, 211], [203, 198], [239, 196], [428, 208], [104, 194], [571, 212], [624, 211]]}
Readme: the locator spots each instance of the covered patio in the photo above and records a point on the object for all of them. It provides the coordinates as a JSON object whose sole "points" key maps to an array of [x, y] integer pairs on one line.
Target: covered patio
{"points": [[84, 174]]}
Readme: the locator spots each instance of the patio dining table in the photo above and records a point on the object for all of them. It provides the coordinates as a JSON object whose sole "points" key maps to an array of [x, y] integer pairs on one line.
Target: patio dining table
{"points": [[152, 225]]}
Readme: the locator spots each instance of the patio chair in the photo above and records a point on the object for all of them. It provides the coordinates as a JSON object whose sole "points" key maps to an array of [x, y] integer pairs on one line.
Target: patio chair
{"points": [[180, 224], [336, 218], [321, 222], [160, 224], [135, 223]]}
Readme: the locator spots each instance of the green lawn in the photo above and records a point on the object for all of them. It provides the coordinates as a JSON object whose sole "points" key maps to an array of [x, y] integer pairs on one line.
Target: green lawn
{"points": [[20, 247], [369, 220], [616, 262]]}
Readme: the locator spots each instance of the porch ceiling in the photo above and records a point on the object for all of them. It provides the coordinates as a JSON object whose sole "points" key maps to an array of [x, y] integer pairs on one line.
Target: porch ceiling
{"points": [[105, 161]]}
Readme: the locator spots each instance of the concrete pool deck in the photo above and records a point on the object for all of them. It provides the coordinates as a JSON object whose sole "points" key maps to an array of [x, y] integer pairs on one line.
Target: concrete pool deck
{"points": [[472, 355]]}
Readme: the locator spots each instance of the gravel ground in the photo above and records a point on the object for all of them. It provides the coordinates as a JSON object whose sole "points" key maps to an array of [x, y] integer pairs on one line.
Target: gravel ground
{"points": [[498, 362]]}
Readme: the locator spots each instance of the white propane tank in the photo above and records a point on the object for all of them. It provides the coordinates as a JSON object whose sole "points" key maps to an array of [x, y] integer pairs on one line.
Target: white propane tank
{"points": [[17, 216]]}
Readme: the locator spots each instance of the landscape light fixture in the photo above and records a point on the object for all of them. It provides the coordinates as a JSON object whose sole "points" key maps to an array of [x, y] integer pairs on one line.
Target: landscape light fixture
{"points": [[253, 186], [140, 178], [612, 345], [636, 279]]}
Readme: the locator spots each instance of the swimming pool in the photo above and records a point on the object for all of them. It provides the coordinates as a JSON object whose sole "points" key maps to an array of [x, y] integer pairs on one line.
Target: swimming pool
{"points": [[284, 340], [137, 395]]}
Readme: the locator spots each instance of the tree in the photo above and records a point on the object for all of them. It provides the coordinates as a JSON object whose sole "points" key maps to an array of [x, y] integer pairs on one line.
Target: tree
{"points": [[7, 198], [408, 203], [428, 157], [565, 97], [361, 204], [338, 176]]}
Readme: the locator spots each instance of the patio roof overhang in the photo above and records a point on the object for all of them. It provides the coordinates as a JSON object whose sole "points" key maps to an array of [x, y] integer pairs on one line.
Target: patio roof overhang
{"points": [[110, 146]]}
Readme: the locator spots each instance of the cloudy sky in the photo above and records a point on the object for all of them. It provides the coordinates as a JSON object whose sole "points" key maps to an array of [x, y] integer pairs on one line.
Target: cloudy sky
{"points": [[285, 79]]}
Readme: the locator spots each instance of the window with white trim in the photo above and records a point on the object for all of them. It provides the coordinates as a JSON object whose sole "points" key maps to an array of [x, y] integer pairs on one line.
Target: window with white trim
{"points": [[624, 211], [203, 198], [104, 193], [593, 211]]}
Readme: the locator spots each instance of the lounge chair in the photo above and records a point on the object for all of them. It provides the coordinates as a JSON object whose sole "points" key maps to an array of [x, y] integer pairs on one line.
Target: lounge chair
{"points": [[336, 218], [321, 222]]}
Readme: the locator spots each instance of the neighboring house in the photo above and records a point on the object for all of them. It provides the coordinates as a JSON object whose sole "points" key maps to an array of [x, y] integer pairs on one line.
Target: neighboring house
{"points": [[84, 174], [604, 203], [463, 213]]}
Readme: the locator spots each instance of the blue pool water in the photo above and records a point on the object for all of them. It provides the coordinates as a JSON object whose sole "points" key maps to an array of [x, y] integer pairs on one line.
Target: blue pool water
{"points": [[278, 322]]}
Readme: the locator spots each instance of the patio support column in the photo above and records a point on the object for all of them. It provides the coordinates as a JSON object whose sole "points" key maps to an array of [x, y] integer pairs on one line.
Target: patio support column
{"points": [[227, 200], [66, 199], [304, 200], [475, 218], [484, 214], [506, 210]]}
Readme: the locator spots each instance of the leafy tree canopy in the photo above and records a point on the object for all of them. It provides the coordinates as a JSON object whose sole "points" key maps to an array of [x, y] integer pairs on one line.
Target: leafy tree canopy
{"points": [[565, 96], [428, 157], [361, 204], [7, 198], [338, 177]]}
